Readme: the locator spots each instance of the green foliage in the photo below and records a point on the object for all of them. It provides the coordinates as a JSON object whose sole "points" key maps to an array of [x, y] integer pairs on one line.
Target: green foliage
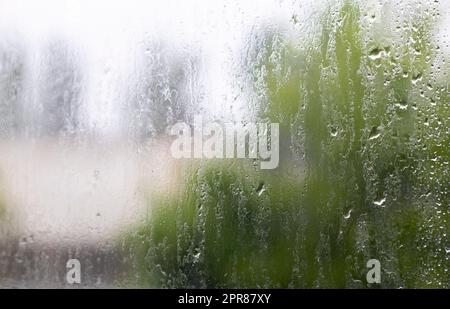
{"points": [[371, 119], [223, 229]]}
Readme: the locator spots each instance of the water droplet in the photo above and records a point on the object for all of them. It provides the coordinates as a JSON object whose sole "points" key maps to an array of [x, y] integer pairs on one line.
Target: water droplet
{"points": [[417, 78], [348, 214], [401, 105], [375, 132], [261, 189], [375, 54], [334, 132], [197, 257], [380, 202]]}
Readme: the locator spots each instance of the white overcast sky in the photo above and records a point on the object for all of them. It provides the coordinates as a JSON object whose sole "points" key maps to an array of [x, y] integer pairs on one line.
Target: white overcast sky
{"points": [[107, 32]]}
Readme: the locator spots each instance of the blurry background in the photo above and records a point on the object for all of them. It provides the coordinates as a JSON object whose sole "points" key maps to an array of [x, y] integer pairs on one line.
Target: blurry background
{"points": [[89, 88]]}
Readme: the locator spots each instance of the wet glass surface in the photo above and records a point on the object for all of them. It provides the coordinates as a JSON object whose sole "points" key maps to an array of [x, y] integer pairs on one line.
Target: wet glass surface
{"points": [[90, 92]]}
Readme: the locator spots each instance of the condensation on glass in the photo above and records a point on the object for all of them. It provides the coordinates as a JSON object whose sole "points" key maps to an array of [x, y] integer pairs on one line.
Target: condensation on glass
{"points": [[90, 195]]}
